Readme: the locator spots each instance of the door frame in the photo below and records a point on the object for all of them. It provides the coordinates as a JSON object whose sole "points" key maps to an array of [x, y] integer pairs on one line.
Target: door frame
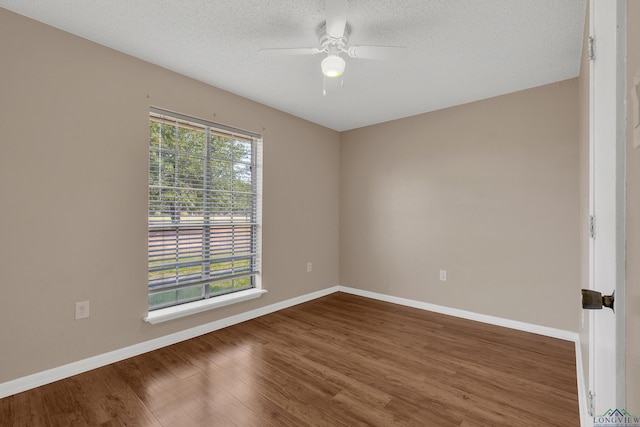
{"points": [[607, 145]]}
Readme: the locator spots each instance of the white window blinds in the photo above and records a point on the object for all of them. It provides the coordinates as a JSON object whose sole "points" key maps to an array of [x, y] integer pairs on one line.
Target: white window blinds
{"points": [[202, 209]]}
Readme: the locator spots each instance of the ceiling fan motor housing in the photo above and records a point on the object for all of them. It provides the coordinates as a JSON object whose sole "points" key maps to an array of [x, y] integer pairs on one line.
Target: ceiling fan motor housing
{"points": [[330, 44]]}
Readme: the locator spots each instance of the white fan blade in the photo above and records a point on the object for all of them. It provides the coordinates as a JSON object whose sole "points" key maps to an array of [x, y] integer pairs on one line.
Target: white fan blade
{"points": [[374, 52], [290, 51], [337, 11]]}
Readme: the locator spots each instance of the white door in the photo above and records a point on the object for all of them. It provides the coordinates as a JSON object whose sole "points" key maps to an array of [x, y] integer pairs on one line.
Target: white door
{"points": [[607, 142]]}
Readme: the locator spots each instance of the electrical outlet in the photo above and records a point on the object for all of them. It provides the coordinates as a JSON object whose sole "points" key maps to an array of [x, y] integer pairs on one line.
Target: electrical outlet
{"points": [[82, 310], [443, 275], [309, 267]]}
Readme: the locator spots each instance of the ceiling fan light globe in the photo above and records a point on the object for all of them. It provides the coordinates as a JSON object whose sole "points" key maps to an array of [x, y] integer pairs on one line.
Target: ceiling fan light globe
{"points": [[332, 66]]}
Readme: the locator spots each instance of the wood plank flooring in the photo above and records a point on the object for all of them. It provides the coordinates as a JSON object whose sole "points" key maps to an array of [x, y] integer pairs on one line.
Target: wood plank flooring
{"points": [[341, 360]]}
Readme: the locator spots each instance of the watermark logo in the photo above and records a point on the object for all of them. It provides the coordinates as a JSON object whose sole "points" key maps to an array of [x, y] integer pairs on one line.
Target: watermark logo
{"points": [[616, 417]]}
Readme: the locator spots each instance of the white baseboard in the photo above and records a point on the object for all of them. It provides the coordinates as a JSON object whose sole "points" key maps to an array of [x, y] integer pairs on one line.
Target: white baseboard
{"points": [[484, 318], [51, 375]]}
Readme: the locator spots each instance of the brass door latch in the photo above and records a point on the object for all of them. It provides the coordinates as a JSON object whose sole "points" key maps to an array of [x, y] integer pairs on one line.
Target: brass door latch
{"points": [[594, 300]]}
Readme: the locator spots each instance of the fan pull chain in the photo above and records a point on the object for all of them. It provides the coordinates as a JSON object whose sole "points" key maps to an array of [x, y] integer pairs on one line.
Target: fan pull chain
{"points": [[324, 85]]}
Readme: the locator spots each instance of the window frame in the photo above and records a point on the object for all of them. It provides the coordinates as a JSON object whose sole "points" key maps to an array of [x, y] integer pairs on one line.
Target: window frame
{"points": [[250, 229]]}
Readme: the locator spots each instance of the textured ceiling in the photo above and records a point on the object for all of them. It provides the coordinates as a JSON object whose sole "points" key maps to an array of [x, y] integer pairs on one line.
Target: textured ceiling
{"points": [[458, 51]]}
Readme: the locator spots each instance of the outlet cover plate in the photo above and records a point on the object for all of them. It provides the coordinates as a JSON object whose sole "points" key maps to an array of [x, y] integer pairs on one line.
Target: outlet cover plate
{"points": [[82, 310]]}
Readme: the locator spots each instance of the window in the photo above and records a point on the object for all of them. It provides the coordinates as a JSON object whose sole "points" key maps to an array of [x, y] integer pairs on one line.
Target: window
{"points": [[203, 218]]}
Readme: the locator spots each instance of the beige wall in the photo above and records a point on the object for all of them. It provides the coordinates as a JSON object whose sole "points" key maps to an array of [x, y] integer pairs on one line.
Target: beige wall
{"points": [[488, 191], [73, 180], [633, 219]]}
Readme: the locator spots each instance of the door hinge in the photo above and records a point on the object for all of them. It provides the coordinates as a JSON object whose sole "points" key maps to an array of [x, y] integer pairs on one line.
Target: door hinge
{"points": [[592, 48], [592, 226], [591, 397]]}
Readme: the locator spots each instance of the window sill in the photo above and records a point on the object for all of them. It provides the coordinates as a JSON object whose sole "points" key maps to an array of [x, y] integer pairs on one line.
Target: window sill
{"points": [[182, 310]]}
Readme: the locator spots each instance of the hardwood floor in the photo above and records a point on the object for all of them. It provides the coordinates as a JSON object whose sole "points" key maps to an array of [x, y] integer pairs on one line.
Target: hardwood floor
{"points": [[341, 360]]}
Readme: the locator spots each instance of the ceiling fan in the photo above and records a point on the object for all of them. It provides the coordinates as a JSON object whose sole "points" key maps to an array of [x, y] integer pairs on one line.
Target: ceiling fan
{"points": [[333, 35]]}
